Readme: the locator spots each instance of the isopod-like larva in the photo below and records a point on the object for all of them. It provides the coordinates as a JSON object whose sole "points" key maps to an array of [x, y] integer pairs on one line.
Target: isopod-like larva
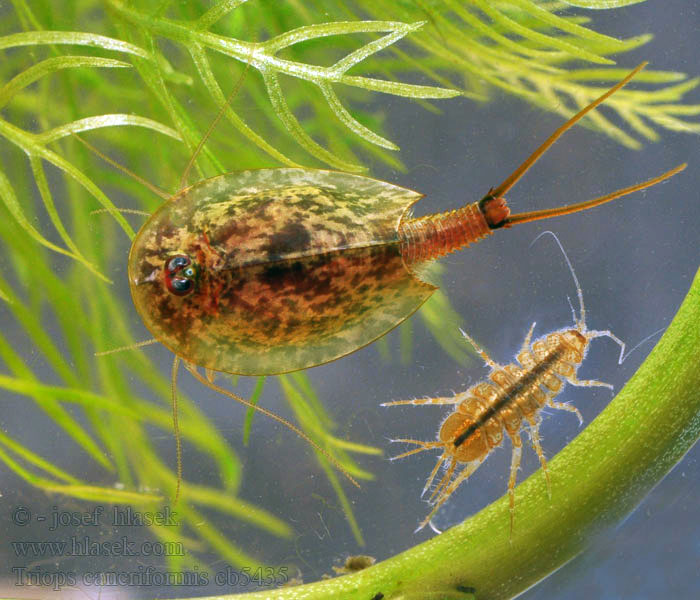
{"points": [[511, 398]]}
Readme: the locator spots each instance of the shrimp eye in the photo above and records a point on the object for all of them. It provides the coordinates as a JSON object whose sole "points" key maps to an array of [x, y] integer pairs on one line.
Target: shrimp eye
{"points": [[177, 262], [180, 275], [180, 286]]}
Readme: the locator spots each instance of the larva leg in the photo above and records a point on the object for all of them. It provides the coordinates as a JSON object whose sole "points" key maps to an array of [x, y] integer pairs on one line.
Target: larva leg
{"points": [[573, 380], [568, 407], [481, 352], [594, 334], [429, 481], [422, 446], [514, 466], [419, 401], [528, 338], [437, 492], [463, 476], [535, 439]]}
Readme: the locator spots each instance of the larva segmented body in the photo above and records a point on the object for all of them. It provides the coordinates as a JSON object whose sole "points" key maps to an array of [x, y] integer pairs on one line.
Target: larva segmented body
{"points": [[510, 399]]}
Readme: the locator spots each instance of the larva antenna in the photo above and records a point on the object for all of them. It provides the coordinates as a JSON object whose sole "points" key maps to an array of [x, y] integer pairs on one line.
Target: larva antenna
{"points": [[514, 177], [580, 323]]}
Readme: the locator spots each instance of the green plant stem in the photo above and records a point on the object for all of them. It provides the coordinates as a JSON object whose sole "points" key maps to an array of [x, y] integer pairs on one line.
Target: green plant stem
{"points": [[597, 480]]}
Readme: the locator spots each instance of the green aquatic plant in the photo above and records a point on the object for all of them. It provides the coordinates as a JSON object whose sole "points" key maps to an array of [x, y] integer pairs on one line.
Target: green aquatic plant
{"points": [[526, 48], [139, 70]]}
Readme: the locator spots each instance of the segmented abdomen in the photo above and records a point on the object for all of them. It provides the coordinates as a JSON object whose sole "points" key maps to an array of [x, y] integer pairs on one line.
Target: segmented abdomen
{"points": [[517, 392], [433, 236]]}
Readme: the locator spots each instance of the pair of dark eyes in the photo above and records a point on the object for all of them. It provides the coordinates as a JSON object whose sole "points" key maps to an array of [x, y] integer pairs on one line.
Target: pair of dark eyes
{"points": [[180, 275]]}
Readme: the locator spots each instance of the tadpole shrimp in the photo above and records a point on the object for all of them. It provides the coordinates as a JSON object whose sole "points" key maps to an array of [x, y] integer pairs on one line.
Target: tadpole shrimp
{"points": [[510, 399]]}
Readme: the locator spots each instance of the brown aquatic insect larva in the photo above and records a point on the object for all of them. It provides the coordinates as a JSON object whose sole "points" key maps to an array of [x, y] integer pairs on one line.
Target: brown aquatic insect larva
{"points": [[510, 399]]}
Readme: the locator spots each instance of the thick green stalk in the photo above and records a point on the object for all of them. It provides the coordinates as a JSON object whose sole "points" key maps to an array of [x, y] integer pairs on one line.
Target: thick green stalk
{"points": [[597, 480]]}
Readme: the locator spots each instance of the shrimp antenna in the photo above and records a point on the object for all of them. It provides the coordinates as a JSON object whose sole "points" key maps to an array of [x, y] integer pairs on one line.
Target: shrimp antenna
{"points": [[156, 190], [580, 323], [193, 370], [215, 122], [124, 211], [129, 347]]}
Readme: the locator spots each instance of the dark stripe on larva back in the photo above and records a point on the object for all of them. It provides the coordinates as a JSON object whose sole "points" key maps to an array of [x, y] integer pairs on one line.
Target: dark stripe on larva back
{"points": [[510, 393]]}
